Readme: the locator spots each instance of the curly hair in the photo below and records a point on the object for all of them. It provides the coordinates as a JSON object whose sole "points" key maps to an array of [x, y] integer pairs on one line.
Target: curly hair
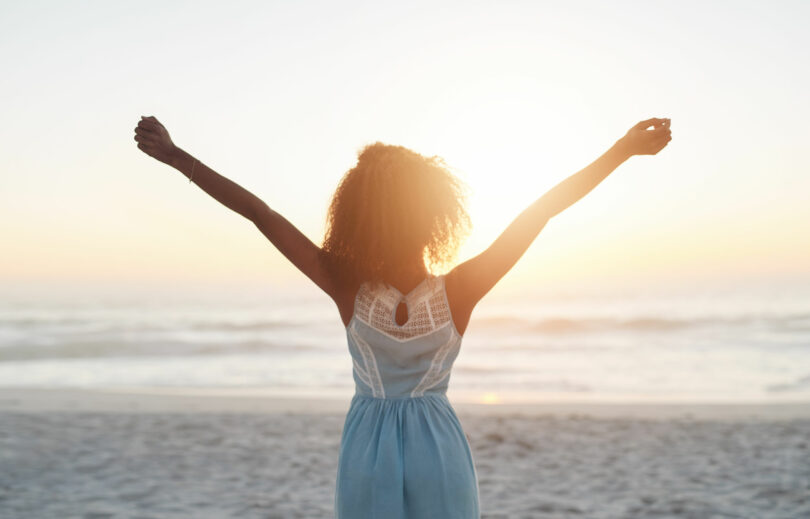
{"points": [[392, 208]]}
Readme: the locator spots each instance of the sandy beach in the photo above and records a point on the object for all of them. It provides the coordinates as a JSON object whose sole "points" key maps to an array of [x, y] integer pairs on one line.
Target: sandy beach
{"points": [[97, 454]]}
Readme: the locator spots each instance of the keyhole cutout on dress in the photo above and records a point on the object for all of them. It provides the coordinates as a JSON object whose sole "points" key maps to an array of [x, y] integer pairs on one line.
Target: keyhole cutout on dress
{"points": [[401, 314]]}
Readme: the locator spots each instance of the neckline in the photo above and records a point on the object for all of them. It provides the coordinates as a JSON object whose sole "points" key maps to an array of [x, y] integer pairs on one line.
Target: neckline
{"points": [[406, 299], [409, 294]]}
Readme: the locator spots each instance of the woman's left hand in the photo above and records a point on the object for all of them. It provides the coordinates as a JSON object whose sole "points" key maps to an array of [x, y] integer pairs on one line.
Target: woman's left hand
{"points": [[153, 139]]}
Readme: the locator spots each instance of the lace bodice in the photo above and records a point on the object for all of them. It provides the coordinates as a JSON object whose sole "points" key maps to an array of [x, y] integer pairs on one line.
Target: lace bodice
{"points": [[395, 361]]}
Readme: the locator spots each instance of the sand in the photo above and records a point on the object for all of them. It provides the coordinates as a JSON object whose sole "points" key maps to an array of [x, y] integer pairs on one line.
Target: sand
{"points": [[98, 454]]}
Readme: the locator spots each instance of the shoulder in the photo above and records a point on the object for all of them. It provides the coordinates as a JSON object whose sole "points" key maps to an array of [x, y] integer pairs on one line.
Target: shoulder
{"points": [[460, 305], [453, 285], [346, 291]]}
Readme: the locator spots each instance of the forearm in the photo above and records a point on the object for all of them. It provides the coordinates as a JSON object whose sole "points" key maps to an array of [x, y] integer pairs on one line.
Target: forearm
{"points": [[228, 193], [525, 228], [573, 188], [479, 274]]}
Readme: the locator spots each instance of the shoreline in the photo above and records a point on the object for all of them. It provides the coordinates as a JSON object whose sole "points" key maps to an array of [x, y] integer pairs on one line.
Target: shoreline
{"points": [[168, 400]]}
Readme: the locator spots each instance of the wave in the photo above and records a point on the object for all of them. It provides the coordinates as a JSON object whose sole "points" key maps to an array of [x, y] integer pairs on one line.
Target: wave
{"points": [[113, 348], [552, 324], [560, 325], [38, 323], [260, 325], [41, 336], [799, 384]]}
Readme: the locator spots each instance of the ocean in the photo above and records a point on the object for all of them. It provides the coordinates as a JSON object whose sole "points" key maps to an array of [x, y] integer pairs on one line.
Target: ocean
{"points": [[698, 346]]}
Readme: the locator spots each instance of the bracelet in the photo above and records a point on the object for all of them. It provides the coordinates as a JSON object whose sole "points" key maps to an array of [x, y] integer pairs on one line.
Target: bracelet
{"points": [[192, 170]]}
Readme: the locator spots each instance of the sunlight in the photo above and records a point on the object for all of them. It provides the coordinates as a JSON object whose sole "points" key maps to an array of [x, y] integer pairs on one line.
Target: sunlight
{"points": [[490, 399], [503, 175]]}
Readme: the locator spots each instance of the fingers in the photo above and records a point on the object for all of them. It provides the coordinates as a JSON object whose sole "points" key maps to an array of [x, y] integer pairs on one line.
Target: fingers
{"points": [[660, 132], [660, 142], [142, 134], [661, 129], [146, 137], [643, 125], [144, 144], [659, 148], [148, 131], [148, 125], [149, 149], [655, 122], [152, 138]]}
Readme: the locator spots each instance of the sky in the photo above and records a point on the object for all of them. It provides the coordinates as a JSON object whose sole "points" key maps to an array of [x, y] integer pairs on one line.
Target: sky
{"points": [[516, 96]]}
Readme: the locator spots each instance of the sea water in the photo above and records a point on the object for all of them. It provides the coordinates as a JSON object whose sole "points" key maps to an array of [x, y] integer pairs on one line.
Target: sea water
{"points": [[701, 346]]}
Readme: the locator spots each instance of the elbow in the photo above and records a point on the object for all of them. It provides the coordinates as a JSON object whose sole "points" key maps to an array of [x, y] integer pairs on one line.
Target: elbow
{"points": [[256, 210], [543, 212]]}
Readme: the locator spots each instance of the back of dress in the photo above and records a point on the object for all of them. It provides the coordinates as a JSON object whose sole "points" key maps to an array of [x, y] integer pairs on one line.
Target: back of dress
{"points": [[396, 361], [403, 452]]}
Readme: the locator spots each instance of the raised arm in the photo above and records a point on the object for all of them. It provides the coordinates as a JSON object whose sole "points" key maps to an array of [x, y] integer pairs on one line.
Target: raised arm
{"points": [[154, 140], [470, 281]]}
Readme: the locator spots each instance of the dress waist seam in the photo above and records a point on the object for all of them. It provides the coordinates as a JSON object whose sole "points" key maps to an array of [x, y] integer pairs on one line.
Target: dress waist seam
{"points": [[433, 394]]}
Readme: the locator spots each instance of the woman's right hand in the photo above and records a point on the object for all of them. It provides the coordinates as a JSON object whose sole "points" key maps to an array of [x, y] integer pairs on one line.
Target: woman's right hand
{"points": [[640, 140], [153, 139]]}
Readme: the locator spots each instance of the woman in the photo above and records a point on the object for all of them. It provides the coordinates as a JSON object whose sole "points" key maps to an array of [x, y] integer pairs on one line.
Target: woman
{"points": [[403, 452]]}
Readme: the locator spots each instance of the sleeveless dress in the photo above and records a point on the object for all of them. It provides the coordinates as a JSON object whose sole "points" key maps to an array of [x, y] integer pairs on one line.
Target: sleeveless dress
{"points": [[403, 453]]}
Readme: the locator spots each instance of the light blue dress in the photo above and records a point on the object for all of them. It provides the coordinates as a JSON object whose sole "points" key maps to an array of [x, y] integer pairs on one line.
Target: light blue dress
{"points": [[403, 453]]}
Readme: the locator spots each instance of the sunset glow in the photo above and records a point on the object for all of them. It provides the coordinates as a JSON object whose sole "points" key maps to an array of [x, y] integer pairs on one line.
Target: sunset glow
{"points": [[490, 398], [514, 99]]}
